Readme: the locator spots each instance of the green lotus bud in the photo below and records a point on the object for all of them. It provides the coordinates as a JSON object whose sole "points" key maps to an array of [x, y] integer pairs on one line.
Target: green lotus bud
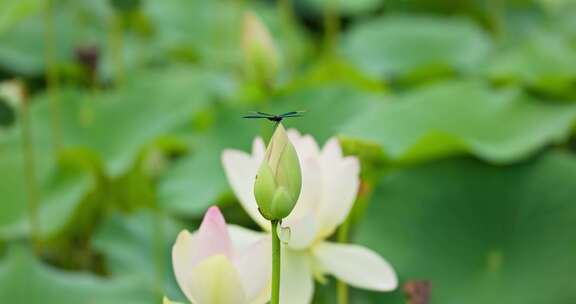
{"points": [[279, 179], [261, 59]]}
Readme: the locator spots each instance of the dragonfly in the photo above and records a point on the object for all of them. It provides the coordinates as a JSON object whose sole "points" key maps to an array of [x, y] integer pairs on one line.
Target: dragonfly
{"points": [[273, 117]]}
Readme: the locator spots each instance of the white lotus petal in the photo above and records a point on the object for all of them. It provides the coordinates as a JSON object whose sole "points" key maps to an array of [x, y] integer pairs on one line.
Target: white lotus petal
{"points": [[356, 265], [332, 152], [302, 231], [296, 283], [258, 149], [340, 187], [242, 238], [311, 192], [182, 262], [255, 266], [305, 145], [263, 297], [241, 169]]}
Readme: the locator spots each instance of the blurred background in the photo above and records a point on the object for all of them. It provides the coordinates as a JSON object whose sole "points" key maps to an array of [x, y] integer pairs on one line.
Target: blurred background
{"points": [[462, 113]]}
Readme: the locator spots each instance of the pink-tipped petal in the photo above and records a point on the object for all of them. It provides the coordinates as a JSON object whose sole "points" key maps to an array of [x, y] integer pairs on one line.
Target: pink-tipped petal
{"points": [[212, 237]]}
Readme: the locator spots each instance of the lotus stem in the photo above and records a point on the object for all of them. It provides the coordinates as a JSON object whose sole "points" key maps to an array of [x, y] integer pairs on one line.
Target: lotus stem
{"points": [[342, 237], [30, 175], [52, 77], [117, 47], [331, 25], [287, 18], [158, 239], [275, 298]]}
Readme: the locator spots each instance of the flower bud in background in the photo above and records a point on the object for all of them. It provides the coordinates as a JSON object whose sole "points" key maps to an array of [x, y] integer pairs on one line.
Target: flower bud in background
{"points": [[13, 92], [88, 56], [279, 180], [261, 58], [12, 96]]}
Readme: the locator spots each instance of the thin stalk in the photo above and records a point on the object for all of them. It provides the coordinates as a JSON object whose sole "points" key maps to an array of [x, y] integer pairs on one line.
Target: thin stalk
{"points": [[30, 175], [217, 39], [331, 26], [287, 18], [157, 220], [52, 77], [342, 237], [117, 46], [275, 298], [496, 18], [158, 235]]}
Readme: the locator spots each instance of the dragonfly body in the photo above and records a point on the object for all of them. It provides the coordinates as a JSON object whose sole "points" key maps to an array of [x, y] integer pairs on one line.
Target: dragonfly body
{"points": [[273, 117]]}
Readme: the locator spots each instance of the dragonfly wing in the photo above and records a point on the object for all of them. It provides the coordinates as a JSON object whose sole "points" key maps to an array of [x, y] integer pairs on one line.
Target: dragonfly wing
{"points": [[289, 114], [254, 116], [265, 114]]}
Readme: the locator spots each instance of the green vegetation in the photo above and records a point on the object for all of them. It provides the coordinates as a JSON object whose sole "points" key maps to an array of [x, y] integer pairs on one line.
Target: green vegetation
{"points": [[462, 115]]}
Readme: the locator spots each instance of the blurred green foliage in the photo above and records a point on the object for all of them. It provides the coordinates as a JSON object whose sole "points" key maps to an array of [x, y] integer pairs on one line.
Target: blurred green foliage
{"points": [[481, 234], [461, 112]]}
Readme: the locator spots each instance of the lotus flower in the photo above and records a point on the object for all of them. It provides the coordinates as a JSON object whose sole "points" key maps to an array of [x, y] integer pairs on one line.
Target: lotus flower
{"points": [[211, 267], [329, 187]]}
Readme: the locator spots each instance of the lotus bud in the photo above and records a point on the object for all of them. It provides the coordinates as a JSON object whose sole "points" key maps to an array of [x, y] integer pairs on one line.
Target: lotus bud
{"points": [[12, 98], [279, 178], [13, 92], [261, 59]]}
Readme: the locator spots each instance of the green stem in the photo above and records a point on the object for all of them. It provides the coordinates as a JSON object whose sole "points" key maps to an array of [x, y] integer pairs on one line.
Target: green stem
{"points": [[275, 299], [342, 237], [30, 175], [287, 17], [331, 26], [117, 46], [158, 235], [52, 78], [496, 18]]}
